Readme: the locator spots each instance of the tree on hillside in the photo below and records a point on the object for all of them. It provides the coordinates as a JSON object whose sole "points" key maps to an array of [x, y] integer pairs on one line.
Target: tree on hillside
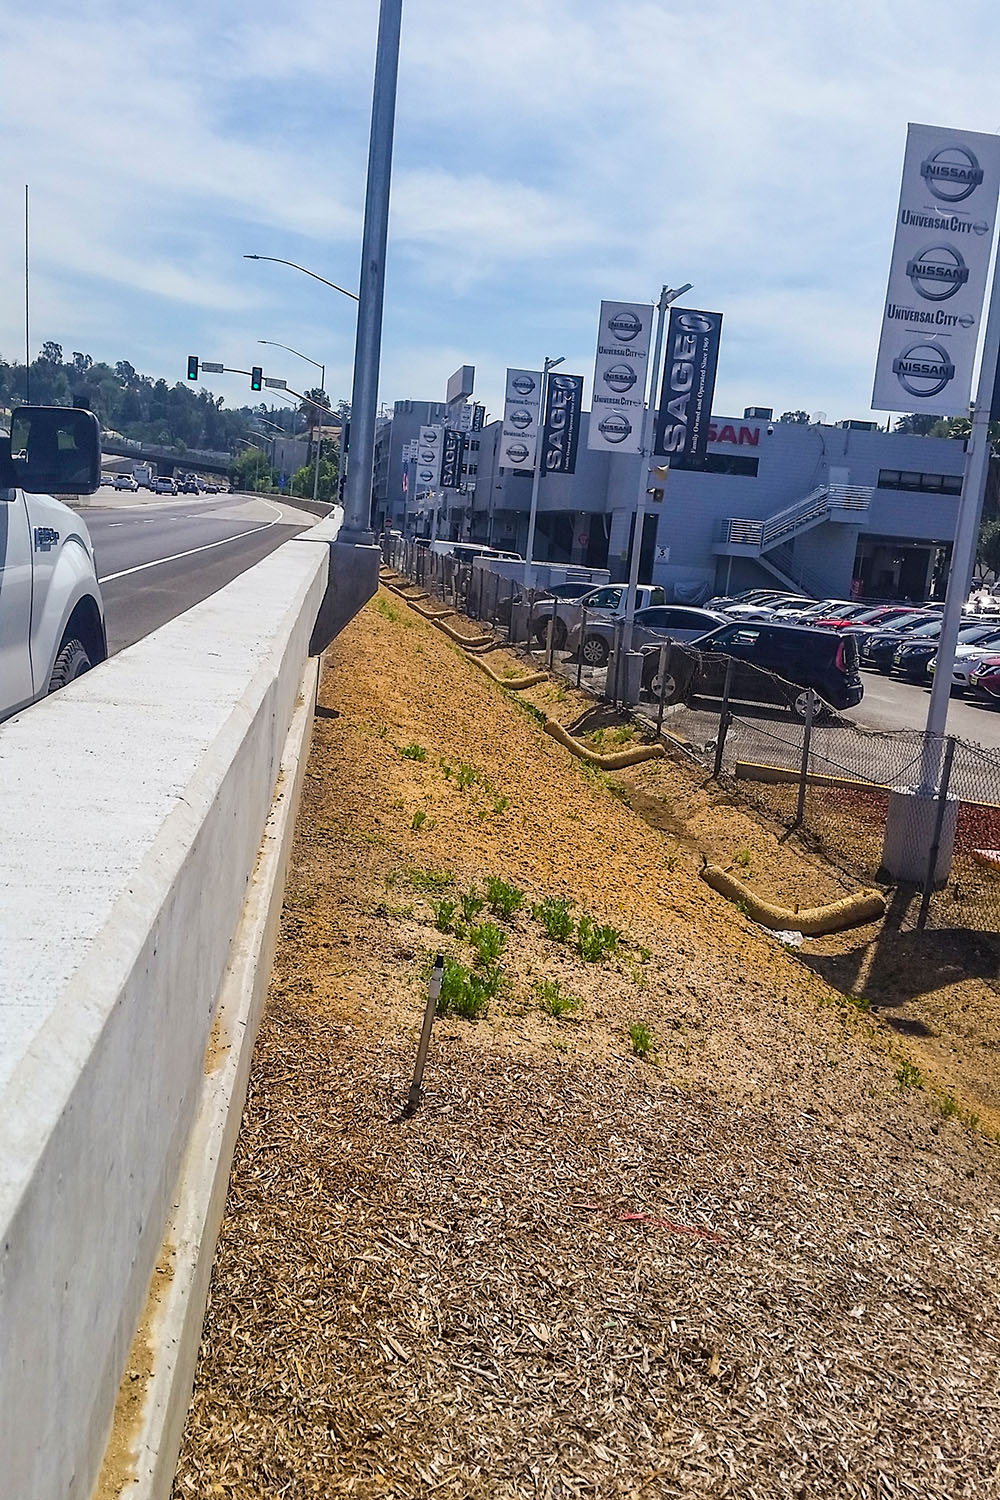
{"points": [[316, 397], [801, 417], [988, 551], [302, 479], [251, 471]]}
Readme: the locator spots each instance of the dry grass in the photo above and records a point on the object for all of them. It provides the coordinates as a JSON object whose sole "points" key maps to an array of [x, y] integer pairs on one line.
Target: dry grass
{"points": [[757, 1269]]}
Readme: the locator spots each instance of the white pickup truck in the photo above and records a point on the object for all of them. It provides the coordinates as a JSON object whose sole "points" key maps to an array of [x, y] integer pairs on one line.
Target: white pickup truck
{"points": [[604, 603], [51, 612]]}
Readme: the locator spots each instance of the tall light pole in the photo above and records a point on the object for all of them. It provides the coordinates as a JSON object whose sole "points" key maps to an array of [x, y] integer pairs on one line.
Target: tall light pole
{"points": [[364, 398], [529, 546], [322, 381]]}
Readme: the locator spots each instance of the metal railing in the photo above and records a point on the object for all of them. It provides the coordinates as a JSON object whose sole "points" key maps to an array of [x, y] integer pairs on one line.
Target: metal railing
{"points": [[818, 505]]}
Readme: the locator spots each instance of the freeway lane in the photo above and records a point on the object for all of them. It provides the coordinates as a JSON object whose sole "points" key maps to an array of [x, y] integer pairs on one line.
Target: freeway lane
{"points": [[156, 560]]}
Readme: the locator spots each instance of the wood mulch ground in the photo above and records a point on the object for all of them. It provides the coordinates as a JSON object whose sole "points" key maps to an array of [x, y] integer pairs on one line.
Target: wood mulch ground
{"points": [[760, 1261]]}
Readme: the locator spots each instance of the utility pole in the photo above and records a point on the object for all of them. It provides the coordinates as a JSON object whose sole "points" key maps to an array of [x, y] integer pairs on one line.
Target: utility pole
{"points": [[364, 400]]}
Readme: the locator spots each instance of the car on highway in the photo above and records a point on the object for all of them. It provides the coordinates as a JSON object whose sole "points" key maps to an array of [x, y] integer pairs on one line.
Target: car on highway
{"points": [[607, 602], [164, 485], [51, 611], [675, 622], [985, 680], [912, 658], [124, 482], [188, 487], [772, 664]]}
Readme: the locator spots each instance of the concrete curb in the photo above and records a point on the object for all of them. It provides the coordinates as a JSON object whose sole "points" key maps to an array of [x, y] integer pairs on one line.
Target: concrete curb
{"points": [[170, 1330]]}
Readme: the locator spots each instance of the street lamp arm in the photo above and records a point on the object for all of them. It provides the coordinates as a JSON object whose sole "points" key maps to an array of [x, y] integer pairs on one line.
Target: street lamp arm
{"points": [[306, 272], [298, 352]]}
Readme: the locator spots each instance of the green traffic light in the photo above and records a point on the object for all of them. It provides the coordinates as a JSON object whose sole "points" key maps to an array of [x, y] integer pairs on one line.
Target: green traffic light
{"points": [[256, 378], [192, 367]]}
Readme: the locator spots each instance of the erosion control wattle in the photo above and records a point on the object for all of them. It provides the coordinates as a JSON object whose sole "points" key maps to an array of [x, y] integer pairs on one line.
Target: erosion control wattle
{"points": [[814, 921]]}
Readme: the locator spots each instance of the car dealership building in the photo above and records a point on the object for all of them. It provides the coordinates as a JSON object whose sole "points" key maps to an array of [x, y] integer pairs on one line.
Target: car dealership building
{"points": [[823, 509]]}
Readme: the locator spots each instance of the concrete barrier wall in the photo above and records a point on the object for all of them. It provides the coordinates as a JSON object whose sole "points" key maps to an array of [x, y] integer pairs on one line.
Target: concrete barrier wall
{"points": [[133, 809]]}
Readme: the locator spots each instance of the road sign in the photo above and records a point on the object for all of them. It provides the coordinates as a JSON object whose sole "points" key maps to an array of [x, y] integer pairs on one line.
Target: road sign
{"points": [[212, 369], [275, 385]]}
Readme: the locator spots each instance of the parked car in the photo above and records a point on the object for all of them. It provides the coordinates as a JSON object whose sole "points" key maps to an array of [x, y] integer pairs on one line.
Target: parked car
{"points": [[677, 622], [608, 601], [760, 609], [809, 614], [912, 658], [772, 664], [749, 596], [967, 659], [124, 482], [986, 678], [863, 617], [878, 647], [164, 485]]}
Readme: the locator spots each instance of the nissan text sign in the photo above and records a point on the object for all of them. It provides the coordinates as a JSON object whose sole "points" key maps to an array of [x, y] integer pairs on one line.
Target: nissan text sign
{"points": [[937, 275]]}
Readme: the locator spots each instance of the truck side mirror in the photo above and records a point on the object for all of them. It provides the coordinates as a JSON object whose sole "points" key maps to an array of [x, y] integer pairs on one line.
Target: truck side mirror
{"points": [[55, 450]]}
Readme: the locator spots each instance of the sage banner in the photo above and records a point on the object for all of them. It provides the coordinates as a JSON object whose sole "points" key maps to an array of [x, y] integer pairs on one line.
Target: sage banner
{"points": [[937, 275], [685, 411], [619, 396], [519, 436], [429, 449], [561, 430], [451, 459]]}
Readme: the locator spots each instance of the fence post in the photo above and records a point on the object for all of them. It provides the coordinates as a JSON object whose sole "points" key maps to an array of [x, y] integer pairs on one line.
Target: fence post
{"points": [[932, 858], [665, 655], [614, 663], [531, 613], [552, 637], [800, 810], [725, 719], [579, 648]]}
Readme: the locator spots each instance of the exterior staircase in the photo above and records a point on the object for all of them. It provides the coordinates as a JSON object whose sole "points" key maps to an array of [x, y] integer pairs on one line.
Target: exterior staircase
{"points": [[769, 541]]}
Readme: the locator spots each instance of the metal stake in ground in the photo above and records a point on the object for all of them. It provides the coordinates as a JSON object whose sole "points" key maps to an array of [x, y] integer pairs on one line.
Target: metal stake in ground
{"points": [[800, 810], [433, 995]]}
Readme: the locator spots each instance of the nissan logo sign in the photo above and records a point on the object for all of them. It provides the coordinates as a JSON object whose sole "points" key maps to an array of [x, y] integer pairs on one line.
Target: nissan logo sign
{"points": [[520, 419], [426, 476], [923, 368], [625, 327], [614, 428], [951, 174], [517, 453], [427, 457], [523, 385], [620, 378], [937, 273]]}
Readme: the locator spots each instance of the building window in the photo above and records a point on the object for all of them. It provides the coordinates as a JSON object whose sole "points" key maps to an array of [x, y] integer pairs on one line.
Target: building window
{"points": [[731, 463], [925, 484]]}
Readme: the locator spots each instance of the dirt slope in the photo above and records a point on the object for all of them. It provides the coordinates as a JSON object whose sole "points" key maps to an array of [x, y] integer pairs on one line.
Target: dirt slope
{"points": [[756, 1263]]}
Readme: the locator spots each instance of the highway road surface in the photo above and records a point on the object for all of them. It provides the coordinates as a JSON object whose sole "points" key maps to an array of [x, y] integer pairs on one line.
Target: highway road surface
{"points": [[157, 559]]}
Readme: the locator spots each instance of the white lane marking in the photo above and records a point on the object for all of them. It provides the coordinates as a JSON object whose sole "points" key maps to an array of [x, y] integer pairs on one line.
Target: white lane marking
{"points": [[115, 523], [141, 568]]}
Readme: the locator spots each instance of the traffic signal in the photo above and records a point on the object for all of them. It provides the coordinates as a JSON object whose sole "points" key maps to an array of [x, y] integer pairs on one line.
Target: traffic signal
{"points": [[256, 378], [192, 367]]}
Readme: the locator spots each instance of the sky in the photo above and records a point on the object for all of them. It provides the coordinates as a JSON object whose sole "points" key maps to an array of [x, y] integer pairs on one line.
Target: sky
{"points": [[546, 156]]}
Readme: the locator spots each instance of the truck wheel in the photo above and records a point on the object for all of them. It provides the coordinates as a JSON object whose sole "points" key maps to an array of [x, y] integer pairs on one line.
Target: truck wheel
{"points": [[595, 651], [71, 663]]}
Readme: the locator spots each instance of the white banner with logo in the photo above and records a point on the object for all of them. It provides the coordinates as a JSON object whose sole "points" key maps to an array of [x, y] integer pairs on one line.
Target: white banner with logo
{"points": [[937, 275], [429, 450], [619, 395], [519, 437]]}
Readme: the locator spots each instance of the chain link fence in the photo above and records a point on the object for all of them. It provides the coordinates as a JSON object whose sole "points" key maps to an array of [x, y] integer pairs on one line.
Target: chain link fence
{"points": [[773, 744]]}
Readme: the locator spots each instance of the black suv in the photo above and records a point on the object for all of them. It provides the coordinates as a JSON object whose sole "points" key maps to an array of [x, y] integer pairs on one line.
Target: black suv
{"points": [[772, 664]]}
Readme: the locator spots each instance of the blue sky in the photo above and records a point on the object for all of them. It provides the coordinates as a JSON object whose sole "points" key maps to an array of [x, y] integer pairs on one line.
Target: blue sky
{"points": [[547, 155]]}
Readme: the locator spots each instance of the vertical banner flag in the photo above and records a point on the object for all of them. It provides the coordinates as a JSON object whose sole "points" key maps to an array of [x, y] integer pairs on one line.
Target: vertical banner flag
{"points": [[685, 411], [451, 459], [429, 458], [937, 274], [619, 397], [519, 437], [561, 431]]}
